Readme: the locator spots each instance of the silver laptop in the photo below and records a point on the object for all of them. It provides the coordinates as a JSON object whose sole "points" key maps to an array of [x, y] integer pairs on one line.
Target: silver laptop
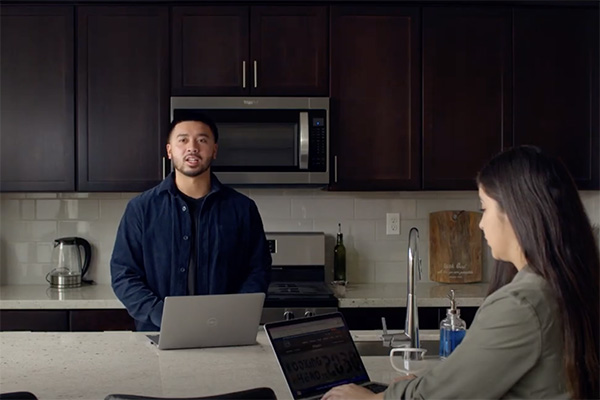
{"points": [[316, 354], [209, 321]]}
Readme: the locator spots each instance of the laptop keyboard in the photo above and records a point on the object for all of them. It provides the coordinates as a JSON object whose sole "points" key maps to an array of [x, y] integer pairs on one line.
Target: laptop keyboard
{"points": [[375, 387]]}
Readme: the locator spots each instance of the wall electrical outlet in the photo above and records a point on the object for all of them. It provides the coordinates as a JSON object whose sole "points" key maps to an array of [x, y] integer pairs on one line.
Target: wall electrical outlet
{"points": [[392, 226]]}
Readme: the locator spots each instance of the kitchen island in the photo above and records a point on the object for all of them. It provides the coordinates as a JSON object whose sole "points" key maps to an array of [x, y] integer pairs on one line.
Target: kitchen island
{"points": [[92, 365]]}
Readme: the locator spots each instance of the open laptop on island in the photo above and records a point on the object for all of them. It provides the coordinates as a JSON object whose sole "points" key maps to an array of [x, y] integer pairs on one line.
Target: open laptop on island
{"points": [[209, 321], [316, 354]]}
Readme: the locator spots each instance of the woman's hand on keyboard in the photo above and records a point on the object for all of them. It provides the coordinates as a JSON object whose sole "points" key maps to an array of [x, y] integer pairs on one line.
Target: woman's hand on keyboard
{"points": [[351, 391]]}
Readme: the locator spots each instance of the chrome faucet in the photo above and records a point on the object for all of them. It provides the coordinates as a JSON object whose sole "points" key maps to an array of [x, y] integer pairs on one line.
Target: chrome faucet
{"points": [[411, 325]]}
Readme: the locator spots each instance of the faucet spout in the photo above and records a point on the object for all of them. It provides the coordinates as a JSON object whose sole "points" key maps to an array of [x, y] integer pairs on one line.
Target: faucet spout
{"points": [[411, 325]]}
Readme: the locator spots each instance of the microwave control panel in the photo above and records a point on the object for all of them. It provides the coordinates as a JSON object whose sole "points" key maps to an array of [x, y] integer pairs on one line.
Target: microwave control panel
{"points": [[317, 148]]}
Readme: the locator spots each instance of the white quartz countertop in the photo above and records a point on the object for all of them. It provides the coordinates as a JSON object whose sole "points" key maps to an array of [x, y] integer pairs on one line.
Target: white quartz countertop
{"points": [[32, 297], [429, 294], [70, 365]]}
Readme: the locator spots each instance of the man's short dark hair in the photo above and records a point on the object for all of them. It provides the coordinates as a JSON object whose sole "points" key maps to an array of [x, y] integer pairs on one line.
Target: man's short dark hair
{"points": [[195, 116]]}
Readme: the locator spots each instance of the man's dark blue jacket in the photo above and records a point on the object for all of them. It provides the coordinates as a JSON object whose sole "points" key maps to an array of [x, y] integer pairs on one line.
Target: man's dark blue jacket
{"points": [[152, 250]]}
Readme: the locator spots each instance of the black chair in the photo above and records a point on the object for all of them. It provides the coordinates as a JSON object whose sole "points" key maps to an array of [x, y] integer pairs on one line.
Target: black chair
{"points": [[18, 396], [262, 393]]}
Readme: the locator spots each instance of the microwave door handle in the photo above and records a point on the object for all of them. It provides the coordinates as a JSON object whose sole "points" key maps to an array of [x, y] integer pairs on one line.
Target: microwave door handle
{"points": [[303, 148]]}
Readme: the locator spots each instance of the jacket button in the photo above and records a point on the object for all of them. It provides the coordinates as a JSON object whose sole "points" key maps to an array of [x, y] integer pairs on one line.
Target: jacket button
{"points": [[183, 208], [185, 237], [181, 269]]}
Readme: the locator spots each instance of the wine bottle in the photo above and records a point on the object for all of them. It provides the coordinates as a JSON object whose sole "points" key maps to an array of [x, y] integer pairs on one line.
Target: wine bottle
{"points": [[339, 257]]}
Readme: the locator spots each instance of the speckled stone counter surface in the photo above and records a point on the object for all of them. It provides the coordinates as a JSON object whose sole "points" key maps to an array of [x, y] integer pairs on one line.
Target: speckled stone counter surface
{"points": [[92, 365], [429, 294], [32, 297]]}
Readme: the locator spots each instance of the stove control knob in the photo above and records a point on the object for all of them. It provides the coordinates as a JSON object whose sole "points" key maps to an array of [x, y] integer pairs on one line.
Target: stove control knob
{"points": [[287, 315], [309, 313]]}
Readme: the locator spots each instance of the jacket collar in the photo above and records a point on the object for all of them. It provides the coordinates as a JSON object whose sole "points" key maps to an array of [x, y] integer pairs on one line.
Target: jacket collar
{"points": [[525, 271], [168, 185]]}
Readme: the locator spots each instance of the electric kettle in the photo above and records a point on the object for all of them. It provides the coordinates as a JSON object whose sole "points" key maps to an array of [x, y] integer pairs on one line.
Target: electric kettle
{"points": [[68, 268]]}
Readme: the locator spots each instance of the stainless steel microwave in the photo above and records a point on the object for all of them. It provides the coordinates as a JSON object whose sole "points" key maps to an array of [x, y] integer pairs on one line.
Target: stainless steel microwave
{"points": [[266, 140]]}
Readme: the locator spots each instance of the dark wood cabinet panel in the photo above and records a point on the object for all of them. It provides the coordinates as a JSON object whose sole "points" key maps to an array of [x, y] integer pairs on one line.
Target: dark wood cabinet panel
{"points": [[210, 49], [429, 317], [100, 320], [467, 92], [123, 97], [289, 51], [556, 86], [247, 50], [37, 126], [34, 320], [375, 98], [84, 320]]}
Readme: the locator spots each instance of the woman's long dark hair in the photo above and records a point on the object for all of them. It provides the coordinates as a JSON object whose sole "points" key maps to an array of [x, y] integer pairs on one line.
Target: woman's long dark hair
{"points": [[504, 272], [541, 201]]}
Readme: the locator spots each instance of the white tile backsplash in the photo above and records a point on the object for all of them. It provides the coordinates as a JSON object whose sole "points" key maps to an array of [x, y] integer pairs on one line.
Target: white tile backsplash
{"points": [[48, 209], [377, 208], [31, 221], [28, 210], [314, 207], [277, 207]]}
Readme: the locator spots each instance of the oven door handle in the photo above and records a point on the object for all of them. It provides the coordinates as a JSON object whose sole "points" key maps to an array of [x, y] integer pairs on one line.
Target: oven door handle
{"points": [[303, 148]]}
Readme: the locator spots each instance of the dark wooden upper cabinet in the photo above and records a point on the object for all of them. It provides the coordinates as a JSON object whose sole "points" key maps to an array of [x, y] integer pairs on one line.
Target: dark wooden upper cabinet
{"points": [[262, 50], [210, 50], [37, 124], [467, 92], [123, 97], [289, 51], [375, 98], [556, 86]]}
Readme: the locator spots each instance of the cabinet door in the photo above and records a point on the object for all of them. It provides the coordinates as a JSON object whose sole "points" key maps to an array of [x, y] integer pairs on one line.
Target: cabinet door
{"points": [[37, 128], [210, 51], [556, 86], [100, 320], [289, 51], [34, 320], [467, 92], [375, 98], [122, 97]]}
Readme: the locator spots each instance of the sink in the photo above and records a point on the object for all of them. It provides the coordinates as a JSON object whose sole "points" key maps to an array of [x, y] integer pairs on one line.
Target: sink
{"points": [[376, 348]]}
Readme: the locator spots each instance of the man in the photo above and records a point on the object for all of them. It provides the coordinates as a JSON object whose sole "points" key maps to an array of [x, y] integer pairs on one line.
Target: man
{"points": [[189, 235]]}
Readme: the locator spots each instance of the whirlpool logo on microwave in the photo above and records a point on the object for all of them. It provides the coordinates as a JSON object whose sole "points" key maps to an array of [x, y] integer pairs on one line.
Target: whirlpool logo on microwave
{"points": [[251, 102]]}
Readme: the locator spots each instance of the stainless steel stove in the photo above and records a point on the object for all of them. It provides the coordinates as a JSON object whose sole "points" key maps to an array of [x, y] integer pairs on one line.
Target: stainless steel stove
{"points": [[298, 286]]}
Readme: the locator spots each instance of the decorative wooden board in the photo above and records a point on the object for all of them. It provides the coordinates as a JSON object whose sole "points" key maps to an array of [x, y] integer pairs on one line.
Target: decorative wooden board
{"points": [[455, 242]]}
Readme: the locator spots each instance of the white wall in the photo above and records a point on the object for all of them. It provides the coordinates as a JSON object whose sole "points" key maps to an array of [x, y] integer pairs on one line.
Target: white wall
{"points": [[30, 221]]}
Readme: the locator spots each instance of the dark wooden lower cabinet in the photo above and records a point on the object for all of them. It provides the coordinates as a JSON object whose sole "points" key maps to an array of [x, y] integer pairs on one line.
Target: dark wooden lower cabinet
{"points": [[118, 319], [100, 320], [65, 320], [429, 317], [34, 320]]}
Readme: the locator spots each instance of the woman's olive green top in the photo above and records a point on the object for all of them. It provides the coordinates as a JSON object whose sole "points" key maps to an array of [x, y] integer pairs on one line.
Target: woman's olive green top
{"points": [[513, 350]]}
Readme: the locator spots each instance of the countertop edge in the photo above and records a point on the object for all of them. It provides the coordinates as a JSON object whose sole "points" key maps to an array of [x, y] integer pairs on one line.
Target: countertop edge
{"points": [[371, 295]]}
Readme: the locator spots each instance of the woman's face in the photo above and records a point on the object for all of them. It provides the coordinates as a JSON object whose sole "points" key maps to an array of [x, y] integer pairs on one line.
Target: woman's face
{"points": [[499, 232]]}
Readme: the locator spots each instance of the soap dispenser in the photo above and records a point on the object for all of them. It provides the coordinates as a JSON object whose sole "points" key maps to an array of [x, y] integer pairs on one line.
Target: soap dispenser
{"points": [[452, 328]]}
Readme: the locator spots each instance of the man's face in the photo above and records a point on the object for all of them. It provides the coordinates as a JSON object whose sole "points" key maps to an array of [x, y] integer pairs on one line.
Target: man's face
{"points": [[192, 148]]}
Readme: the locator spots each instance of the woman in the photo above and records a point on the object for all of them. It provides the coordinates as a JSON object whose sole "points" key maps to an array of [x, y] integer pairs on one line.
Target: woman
{"points": [[537, 336]]}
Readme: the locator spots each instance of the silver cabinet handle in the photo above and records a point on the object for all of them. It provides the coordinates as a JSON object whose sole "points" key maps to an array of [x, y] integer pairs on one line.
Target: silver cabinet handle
{"points": [[163, 167], [244, 74], [335, 169], [255, 74], [303, 148]]}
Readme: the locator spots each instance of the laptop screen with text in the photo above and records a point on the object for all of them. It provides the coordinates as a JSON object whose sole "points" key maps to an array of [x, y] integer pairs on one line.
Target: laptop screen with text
{"points": [[316, 355]]}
